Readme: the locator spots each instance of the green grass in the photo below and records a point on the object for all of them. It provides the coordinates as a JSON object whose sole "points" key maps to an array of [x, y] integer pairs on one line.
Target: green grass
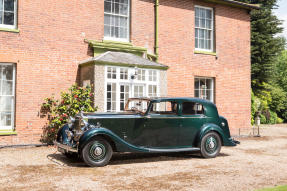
{"points": [[278, 188]]}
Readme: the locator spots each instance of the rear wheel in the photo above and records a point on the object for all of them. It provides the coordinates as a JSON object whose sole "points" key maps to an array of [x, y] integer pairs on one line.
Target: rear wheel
{"points": [[97, 152], [210, 145]]}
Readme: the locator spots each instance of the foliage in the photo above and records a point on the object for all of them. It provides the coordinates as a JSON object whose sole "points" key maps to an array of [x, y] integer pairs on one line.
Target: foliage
{"points": [[265, 45], [281, 70], [72, 102], [277, 188]]}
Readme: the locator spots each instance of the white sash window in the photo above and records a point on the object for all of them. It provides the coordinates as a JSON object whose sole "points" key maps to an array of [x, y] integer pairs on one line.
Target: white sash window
{"points": [[204, 88], [116, 20], [8, 13], [7, 96], [204, 28]]}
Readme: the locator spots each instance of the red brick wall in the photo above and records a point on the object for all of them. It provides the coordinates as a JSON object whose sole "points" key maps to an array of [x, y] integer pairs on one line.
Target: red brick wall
{"points": [[231, 67], [51, 43]]}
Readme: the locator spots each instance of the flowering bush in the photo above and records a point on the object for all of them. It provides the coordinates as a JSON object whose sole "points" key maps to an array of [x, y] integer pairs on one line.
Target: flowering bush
{"points": [[58, 111]]}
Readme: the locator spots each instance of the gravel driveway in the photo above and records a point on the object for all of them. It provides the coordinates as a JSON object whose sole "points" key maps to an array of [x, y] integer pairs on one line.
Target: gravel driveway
{"points": [[255, 163]]}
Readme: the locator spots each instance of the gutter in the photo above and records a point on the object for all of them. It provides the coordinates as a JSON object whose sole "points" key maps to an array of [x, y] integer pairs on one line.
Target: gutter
{"points": [[235, 4], [156, 4]]}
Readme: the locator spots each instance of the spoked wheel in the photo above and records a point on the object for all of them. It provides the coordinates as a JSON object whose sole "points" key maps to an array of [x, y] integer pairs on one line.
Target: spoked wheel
{"points": [[210, 145], [97, 152]]}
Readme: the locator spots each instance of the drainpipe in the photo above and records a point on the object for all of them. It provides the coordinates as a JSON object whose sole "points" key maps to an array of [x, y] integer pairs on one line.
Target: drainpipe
{"points": [[156, 4]]}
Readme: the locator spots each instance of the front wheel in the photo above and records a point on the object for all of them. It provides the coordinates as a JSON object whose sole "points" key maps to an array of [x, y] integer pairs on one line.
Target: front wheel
{"points": [[97, 152], [210, 145]]}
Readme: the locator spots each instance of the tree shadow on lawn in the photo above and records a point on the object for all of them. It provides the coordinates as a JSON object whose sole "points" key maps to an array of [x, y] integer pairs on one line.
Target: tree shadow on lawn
{"points": [[130, 158]]}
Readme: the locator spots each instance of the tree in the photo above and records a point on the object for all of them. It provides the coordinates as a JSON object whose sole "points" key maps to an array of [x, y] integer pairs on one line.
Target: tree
{"points": [[265, 45]]}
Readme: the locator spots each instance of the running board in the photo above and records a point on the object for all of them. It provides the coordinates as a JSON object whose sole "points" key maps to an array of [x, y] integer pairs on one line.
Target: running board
{"points": [[172, 150]]}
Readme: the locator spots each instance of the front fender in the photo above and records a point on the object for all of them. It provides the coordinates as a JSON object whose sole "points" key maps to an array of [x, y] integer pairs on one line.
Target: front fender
{"points": [[226, 140], [88, 135], [62, 136]]}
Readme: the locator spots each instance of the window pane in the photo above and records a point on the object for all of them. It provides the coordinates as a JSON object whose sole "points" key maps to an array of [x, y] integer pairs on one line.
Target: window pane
{"points": [[208, 95], [8, 18], [202, 23], [202, 13], [197, 12], [108, 7], [7, 87], [7, 72], [208, 14], [201, 33], [123, 9], [107, 19], [208, 24], [5, 119], [117, 8], [117, 30], [1, 5], [209, 83], [196, 42], [9, 5], [196, 83], [117, 21], [201, 44], [196, 33], [1, 15], [107, 30], [196, 93], [6, 103], [123, 22]]}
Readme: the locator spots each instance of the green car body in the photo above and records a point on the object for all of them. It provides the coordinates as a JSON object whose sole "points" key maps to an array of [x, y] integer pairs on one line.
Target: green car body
{"points": [[148, 131]]}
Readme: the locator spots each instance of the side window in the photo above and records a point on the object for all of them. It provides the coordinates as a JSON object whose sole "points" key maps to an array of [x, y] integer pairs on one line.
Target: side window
{"points": [[164, 107], [192, 108]]}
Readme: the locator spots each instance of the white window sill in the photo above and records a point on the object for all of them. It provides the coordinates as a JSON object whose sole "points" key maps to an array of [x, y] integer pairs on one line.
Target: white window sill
{"points": [[9, 29]]}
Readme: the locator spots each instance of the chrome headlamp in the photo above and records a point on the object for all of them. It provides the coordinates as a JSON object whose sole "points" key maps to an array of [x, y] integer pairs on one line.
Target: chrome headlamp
{"points": [[71, 121]]}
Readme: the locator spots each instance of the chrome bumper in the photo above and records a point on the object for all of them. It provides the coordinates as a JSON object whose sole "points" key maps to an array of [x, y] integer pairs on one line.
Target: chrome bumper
{"points": [[65, 148]]}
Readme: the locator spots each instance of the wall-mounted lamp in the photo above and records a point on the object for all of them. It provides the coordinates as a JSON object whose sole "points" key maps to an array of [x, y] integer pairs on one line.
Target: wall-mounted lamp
{"points": [[133, 76]]}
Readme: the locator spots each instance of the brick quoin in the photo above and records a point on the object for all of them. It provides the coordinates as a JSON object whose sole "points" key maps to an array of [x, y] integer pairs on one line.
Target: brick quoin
{"points": [[50, 45]]}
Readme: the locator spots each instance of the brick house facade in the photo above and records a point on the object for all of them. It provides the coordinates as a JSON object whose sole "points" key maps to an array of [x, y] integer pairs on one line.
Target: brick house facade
{"points": [[45, 47]]}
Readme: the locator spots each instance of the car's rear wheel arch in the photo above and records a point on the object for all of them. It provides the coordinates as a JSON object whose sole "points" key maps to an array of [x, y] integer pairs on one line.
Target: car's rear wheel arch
{"points": [[198, 140]]}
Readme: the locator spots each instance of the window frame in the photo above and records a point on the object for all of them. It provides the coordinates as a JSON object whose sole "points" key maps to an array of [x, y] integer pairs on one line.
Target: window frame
{"points": [[131, 82], [15, 25], [212, 45], [212, 87], [128, 25], [13, 104]]}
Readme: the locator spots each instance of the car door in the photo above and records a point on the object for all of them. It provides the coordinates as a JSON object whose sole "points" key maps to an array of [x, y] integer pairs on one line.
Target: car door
{"points": [[159, 128], [191, 120]]}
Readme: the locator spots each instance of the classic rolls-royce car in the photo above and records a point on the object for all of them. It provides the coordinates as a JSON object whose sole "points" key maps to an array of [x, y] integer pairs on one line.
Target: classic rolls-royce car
{"points": [[152, 125]]}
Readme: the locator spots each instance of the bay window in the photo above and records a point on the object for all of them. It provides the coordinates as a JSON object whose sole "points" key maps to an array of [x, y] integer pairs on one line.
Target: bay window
{"points": [[125, 82]]}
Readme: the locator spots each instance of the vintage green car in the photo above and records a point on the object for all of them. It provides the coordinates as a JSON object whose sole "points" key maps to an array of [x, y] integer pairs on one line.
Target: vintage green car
{"points": [[152, 125]]}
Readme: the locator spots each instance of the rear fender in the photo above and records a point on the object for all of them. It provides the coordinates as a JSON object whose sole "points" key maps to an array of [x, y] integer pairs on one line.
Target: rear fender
{"points": [[206, 128]]}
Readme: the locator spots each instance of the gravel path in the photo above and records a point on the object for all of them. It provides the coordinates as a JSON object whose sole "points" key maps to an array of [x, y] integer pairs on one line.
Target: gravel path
{"points": [[255, 163]]}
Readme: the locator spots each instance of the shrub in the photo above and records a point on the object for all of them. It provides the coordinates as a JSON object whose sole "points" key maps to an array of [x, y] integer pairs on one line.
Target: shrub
{"points": [[263, 119], [279, 120], [57, 111]]}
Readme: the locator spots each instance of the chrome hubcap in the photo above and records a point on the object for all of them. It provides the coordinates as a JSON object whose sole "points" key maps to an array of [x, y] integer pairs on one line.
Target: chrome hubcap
{"points": [[98, 151], [211, 143]]}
